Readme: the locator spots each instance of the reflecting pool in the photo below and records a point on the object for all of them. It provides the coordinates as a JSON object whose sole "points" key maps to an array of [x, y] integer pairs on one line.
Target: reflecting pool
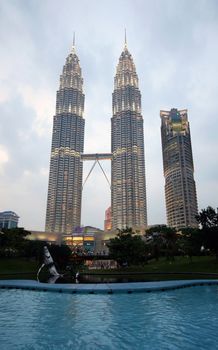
{"points": [[176, 319]]}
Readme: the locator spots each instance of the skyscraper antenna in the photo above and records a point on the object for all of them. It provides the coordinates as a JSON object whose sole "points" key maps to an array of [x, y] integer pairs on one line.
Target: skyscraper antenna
{"points": [[125, 43], [73, 47]]}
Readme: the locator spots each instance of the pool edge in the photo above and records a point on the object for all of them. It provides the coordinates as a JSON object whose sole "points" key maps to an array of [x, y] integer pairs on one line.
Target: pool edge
{"points": [[105, 288]]}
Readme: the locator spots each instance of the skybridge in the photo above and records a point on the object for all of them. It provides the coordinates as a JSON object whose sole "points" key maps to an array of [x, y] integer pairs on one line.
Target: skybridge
{"points": [[96, 157]]}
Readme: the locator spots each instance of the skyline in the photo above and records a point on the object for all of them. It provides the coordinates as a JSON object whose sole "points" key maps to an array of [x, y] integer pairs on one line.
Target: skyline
{"points": [[176, 69]]}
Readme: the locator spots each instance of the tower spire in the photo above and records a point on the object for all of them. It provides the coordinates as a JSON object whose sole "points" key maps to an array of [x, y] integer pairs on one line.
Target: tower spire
{"points": [[73, 47], [125, 41]]}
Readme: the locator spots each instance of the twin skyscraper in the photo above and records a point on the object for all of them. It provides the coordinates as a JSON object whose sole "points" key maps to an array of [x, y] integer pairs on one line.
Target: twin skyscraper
{"points": [[128, 186]]}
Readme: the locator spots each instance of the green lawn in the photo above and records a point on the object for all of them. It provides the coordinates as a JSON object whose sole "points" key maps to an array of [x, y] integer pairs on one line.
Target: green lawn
{"points": [[203, 264], [16, 268], [206, 264]]}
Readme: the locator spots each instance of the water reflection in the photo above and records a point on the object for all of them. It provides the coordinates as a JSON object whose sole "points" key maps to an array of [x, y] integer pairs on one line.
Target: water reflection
{"points": [[86, 278]]}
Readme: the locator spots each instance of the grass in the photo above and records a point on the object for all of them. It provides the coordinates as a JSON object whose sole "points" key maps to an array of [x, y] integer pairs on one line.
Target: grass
{"points": [[154, 270], [13, 266], [181, 268], [206, 264]]}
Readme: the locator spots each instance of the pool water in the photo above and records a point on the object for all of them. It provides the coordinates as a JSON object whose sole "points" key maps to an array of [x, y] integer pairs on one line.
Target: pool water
{"points": [[176, 319]]}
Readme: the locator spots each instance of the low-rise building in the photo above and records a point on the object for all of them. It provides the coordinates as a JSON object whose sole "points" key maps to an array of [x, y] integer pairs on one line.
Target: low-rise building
{"points": [[87, 239], [49, 237], [8, 219]]}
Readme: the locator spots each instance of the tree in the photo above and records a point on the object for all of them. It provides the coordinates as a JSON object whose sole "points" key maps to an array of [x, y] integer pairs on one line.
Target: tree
{"points": [[34, 249], [170, 240], [208, 219], [60, 254], [164, 240], [154, 240], [13, 241], [127, 248], [190, 241]]}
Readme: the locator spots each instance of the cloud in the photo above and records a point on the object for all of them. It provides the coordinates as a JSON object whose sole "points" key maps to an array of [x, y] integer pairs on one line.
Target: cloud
{"points": [[175, 49], [41, 101], [4, 158]]}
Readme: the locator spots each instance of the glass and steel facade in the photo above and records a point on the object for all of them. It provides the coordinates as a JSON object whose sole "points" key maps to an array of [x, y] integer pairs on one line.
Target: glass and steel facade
{"points": [[65, 177], [180, 189], [8, 219], [128, 189]]}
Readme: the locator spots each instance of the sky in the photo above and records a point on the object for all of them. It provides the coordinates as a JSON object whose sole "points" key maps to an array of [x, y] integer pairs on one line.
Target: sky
{"points": [[175, 49]]}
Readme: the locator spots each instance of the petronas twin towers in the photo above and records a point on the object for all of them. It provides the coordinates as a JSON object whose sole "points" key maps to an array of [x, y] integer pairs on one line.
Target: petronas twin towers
{"points": [[65, 177], [128, 190], [128, 197]]}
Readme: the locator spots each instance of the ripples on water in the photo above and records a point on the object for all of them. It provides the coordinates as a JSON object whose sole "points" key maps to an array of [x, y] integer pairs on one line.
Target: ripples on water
{"points": [[178, 319]]}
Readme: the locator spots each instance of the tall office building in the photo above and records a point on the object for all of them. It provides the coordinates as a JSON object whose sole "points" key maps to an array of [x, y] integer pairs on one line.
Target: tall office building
{"points": [[180, 191], [65, 178], [128, 192]]}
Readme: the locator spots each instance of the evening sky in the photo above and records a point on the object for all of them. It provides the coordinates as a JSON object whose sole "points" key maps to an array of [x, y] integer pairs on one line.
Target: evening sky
{"points": [[175, 49]]}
